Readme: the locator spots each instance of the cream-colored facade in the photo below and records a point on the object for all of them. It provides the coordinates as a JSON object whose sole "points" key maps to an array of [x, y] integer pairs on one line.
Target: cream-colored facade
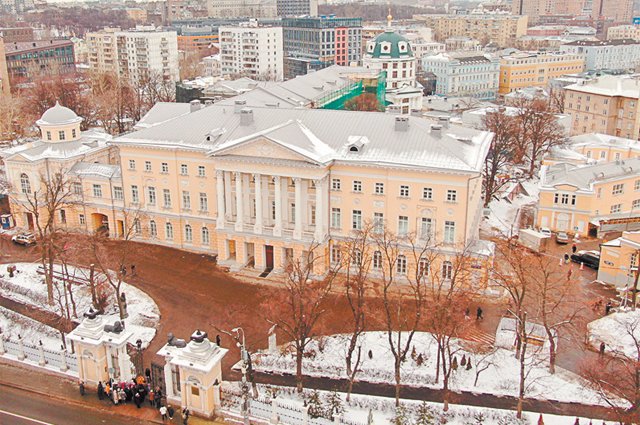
{"points": [[527, 69], [589, 200], [258, 186], [500, 29], [619, 260], [5, 89], [624, 31], [607, 104]]}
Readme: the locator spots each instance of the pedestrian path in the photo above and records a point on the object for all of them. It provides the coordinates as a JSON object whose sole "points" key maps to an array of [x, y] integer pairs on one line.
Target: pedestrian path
{"points": [[478, 335]]}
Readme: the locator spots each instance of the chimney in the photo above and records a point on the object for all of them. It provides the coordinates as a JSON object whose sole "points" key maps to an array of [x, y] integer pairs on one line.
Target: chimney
{"points": [[402, 123], [246, 116], [444, 122], [194, 105], [436, 130], [239, 106], [208, 102]]}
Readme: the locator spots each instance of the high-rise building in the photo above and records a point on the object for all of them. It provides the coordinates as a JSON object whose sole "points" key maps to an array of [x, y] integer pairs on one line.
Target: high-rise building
{"points": [[297, 7], [526, 69], [312, 43], [14, 34], [13, 7], [134, 54], [252, 51], [242, 8], [5, 89], [615, 10], [534, 9]]}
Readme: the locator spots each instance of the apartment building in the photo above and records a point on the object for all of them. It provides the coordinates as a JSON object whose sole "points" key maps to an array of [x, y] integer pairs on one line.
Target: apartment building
{"points": [[297, 7], [19, 34], [590, 200], [198, 40], [313, 43], [629, 32], [5, 88], [526, 69], [613, 10], [607, 104], [620, 54], [242, 8], [27, 60], [619, 260], [534, 9], [500, 29], [464, 75], [252, 51], [258, 186], [134, 54]]}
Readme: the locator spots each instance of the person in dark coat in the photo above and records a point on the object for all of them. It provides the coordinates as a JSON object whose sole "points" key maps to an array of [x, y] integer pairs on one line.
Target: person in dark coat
{"points": [[100, 391], [574, 248], [602, 348], [137, 399], [607, 308], [185, 416], [479, 314], [170, 411], [158, 398]]}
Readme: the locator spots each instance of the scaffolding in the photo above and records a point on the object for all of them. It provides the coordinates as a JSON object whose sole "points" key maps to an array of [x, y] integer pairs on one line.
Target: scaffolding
{"points": [[357, 85]]}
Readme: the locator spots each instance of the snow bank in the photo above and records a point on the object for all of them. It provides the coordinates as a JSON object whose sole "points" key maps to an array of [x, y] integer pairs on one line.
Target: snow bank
{"points": [[503, 216], [326, 359], [619, 331], [28, 287]]}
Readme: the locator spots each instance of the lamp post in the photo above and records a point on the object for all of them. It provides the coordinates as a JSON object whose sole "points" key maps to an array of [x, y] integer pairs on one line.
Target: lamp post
{"points": [[245, 387]]}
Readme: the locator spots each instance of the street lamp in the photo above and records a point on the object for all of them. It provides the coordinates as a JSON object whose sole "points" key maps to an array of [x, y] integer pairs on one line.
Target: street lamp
{"points": [[245, 387]]}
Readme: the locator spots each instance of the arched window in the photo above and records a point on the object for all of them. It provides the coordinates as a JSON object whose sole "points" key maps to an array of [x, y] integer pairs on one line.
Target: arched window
{"points": [[205, 236], [153, 228], [188, 233], [168, 229], [25, 184]]}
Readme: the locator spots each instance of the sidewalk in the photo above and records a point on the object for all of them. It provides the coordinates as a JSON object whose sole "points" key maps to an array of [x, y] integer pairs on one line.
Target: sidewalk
{"points": [[32, 380]]}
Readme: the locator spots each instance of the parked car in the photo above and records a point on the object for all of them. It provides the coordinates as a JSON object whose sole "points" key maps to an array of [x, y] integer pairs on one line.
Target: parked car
{"points": [[562, 238], [589, 258], [26, 239], [545, 231]]}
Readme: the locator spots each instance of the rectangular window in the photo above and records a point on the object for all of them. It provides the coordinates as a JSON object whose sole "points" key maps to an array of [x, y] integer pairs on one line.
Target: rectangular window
{"points": [[165, 167], [425, 228], [166, 195], [616, 208], [336, 218], [335, 184], [403, 225], [401, 264], [61, 135], [132, 164], [635, 204], [423, 268], [81, 219], [357, 186], [203, 202], [335, 254], [186, 200], [184, 170], [201, 171], [379, 189], [63, 216], [356, 220], [147, 166], [618, 189], [447, 269], [452, 195], [377, 260], [151, 192], [73, 133], [97, 191], [404, 191], [449, 231], [118, 194], [378, 222], [636, 185], [313, 215], [292, 212], [135, 195], [427, 193], [77, 188]]}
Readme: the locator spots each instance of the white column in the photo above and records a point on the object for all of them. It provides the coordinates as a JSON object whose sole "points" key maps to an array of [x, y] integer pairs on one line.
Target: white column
{"points": [[220, 195], [110, 366], [42, 360], [277, 228], [21, 355], [319, 234], [297, 229], [227, 195], [257, 228], [168, 378], [239, 209]]}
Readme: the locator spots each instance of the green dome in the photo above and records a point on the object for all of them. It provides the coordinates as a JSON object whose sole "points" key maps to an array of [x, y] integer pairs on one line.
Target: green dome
{"points": [[389, 44]]}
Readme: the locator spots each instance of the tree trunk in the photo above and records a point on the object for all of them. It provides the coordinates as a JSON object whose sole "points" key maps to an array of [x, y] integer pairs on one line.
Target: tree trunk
{"points": [[445, 382], [438, 363], [120, 305], [522, 377], [397, 376], [92, 285], [552, 352], [299, 353]]}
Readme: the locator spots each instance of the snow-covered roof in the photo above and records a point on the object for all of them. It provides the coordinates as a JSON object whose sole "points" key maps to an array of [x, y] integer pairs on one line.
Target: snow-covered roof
{"points": [[583, 177], [96, 169], [162, 112], [323, 135], [58, 115], [610, 85], [90, 141], [603, 140]]}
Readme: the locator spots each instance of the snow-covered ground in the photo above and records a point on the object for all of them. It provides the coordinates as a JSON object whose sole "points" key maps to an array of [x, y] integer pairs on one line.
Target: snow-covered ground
{"points": [[504, 214], [383, 409], [31, 331], [501, 377], [619, 331], [28, 287]]}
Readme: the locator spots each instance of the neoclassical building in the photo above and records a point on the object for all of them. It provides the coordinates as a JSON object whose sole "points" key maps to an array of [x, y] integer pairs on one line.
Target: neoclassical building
{"points": [[257, 186]]}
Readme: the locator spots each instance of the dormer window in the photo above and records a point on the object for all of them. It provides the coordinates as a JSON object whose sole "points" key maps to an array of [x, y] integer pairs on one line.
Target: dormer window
{"points": [[402, 47], [354, 148], [385, 47]]}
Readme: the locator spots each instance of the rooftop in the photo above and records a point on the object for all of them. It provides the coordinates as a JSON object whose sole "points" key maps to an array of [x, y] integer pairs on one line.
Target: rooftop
{"points": [[584, 177], [604, 140], [589, 43], [90, 141], [58, 115], [25, 46], [610, 85]]}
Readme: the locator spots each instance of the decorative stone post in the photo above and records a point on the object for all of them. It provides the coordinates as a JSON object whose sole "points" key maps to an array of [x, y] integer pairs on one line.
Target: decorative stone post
{"points": [[2, 349], [199, 365], [21, 355], [273, 343], [274, 411], [63, 360], [42, 360]]}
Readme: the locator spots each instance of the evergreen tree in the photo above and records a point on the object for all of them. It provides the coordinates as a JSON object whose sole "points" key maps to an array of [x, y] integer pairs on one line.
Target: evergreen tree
{"points": [[464, 360], [314, 405], [425, 415], [454, 363], [334, 405], [401, 417], [469, 364]]}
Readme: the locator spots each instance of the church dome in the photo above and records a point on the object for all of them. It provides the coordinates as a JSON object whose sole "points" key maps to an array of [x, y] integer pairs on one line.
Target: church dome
{"points": [[389, 45], [58, 115]]}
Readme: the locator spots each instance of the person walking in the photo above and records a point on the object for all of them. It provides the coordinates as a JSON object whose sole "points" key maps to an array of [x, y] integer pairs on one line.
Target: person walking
{"points": [[137, 399], [170, 411], [607, 308], [163, 412], [158, 397], [479, 313], [185, 416], [602, 348], [81, 387], [133, 270], [574, 248], [152, 394], [114, 395], [100, 390]]}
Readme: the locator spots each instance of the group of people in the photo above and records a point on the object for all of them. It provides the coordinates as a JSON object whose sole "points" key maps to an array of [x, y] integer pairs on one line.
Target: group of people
{"points": [[168, 411], [124, 392]]}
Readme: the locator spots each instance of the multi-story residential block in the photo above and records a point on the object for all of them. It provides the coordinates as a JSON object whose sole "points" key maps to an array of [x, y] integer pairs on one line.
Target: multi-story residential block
{"points": [[5, 88], [525, 69], [313, 43], [613, 10], [461, 43], [619, 260], [13, 34], [607, 104], [137, 14], [589, 199], [14, 7], [134, 54], [242, 8], [258, 186], [534, 9], [459, 75], [200, 40], [297, 7], [500, 29], [630, 32], [26, 60], [252, 51], [607, 54]]}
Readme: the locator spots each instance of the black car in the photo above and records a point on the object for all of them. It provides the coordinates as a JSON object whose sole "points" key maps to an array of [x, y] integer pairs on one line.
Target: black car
{"points": [[589, 258]]}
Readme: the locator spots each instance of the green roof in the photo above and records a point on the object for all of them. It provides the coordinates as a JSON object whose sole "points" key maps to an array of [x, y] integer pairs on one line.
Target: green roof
{"points": [[390, 44]]}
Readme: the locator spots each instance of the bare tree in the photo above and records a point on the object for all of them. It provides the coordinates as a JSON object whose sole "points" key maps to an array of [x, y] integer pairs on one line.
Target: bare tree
{"points": [[557, 97], [501, 153], [481, 354], [298, 307], [14, 121]]}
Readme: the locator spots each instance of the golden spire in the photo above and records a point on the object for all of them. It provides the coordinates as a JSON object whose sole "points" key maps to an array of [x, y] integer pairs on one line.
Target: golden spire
{"points": [[389, 17]]}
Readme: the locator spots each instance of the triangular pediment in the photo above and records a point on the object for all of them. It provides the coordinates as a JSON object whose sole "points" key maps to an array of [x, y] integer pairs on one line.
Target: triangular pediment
{"points": [[264, 147]]}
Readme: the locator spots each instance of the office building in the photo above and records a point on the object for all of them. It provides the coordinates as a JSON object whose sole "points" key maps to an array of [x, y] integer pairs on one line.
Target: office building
{"points": [[534, 9], [297, 7], [256, 9], [464, 75], [251, 51]]}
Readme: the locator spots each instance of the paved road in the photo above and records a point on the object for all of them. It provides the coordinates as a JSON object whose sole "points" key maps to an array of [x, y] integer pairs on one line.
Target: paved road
{"points": [[19, 407]]}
